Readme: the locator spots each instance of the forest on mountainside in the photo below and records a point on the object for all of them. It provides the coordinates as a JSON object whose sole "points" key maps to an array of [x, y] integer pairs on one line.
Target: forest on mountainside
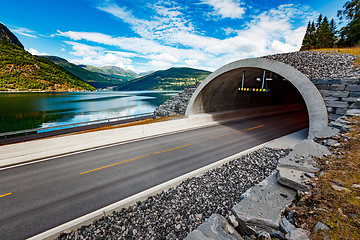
{"points": [[22, 71]]}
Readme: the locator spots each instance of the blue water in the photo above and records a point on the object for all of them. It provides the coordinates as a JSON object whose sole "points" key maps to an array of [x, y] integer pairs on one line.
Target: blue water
{"points": [[19, 111]]}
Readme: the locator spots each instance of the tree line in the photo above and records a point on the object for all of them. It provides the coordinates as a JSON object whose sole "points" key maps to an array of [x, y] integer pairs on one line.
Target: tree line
{"points": [[324, 34]]}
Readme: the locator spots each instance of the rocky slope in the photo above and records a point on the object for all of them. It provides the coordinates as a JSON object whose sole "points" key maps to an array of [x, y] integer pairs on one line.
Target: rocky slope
{"points": [[320, 64], [8, 36], [177, 104]]}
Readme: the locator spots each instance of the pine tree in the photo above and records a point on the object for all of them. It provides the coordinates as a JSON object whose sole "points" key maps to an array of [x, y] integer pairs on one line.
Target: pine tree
{"points": [[319, 22], [306, 45], [333, 32], [324, 36], [313, 38], [310, 38], [350, 34]]}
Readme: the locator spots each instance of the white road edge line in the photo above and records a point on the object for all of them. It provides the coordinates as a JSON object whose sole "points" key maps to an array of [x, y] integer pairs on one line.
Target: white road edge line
{"points": [[38, 160], [105, 146], [89, 218]]}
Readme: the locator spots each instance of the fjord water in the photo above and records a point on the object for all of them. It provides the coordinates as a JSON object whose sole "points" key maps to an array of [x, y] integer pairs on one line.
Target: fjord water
{"points": [[19, 111]]}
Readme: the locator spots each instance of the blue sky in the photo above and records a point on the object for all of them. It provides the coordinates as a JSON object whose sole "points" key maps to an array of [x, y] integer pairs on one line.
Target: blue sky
{"points": [[144, 35]]}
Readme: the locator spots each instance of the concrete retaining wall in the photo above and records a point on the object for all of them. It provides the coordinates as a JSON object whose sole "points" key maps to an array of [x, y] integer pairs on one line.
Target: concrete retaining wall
{"points": [[339, 95]]}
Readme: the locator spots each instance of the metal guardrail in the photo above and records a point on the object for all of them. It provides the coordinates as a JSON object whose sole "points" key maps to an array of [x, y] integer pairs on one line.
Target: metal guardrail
{"points": [[46, 129]]}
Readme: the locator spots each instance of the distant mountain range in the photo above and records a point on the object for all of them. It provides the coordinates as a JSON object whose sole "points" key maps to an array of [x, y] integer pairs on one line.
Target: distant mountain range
{"points": [[170, 79], [22, 71], [98, 77], [125, 80]]}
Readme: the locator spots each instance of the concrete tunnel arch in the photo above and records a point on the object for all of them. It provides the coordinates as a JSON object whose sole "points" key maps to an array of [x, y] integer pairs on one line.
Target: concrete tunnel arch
{"points": [[215, 89]]}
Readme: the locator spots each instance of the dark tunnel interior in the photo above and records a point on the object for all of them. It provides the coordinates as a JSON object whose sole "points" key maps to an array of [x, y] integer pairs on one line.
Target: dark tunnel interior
{"points": [[223, 94]]}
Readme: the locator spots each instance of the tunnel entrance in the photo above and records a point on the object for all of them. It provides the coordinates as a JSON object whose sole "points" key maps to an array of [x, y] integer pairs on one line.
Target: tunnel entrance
{"points": [[254, 83]]}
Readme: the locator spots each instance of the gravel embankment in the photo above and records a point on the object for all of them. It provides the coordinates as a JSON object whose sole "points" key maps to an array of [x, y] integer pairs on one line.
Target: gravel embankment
{"points": [[320, 65], [177, 104], [175, 213]]}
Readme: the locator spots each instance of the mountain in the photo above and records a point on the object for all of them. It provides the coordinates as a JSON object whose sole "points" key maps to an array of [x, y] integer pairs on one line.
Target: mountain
{"points": [[94, 79], [98, 77], [22, 71], [112, 71], [8, 36], [145, 73], [170, 79]]}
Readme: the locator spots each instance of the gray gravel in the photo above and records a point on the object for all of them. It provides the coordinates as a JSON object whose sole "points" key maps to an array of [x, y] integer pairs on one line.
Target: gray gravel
{"points": [[319, 64], [177, 104], [175, 213]]}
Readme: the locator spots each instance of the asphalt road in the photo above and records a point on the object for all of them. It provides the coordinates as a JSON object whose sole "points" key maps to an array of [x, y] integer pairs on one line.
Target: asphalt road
{"points": [[43, 195]]}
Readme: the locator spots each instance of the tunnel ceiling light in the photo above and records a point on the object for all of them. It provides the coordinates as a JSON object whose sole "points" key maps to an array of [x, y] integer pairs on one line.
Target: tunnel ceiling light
{"points": [[262, 90]]}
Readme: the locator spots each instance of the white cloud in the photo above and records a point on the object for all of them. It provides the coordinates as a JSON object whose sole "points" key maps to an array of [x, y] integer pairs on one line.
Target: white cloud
{"points": [[167, 26], [279, 47], [168, 39], [159, 64], [256, 38], [226, 8], [264, 34], [35, 52], [148, 49], [229, 31], [165, 57], [63, 50], [191, 62], [83, 49], [25, 32], [90, 55], [123, 54]]}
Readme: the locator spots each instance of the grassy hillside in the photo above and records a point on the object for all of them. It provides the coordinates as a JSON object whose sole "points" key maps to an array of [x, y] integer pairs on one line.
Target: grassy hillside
{"points": [[170, 79], [21, 71], [98, 77]]}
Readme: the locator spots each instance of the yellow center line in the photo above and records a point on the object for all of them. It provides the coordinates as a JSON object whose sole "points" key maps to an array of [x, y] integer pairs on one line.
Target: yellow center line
{"points": [[241, 131], [129, 160], [7, 194]]}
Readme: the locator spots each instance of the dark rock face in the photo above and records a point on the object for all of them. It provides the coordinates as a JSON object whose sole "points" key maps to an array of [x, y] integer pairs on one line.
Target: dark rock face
{"points": [[7, 35]]}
